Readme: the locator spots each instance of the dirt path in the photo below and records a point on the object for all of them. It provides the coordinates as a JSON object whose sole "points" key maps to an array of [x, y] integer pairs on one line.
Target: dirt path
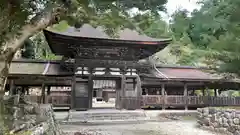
{"points": [[149, 128]]}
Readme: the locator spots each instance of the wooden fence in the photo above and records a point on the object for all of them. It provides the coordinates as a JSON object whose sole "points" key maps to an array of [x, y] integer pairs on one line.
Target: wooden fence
{"points": [[190, 101], [150, 100], [131, 103], [59, 101]]}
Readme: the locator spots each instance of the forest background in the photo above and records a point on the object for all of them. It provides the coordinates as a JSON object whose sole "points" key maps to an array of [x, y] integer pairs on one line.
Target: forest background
{"points": [[206, 37]]}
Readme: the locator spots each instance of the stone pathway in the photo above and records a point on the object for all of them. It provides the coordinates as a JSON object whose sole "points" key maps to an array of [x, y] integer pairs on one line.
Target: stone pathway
{"points": [[183, 127], [148, 128]]}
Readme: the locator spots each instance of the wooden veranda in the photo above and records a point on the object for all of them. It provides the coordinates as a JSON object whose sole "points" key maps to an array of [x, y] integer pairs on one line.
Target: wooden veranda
{"points": [[87, 51], [175, 91]]}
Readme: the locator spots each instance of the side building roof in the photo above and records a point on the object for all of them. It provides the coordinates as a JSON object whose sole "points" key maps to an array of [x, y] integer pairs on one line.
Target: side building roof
{"points": [[50, 69], [37, 67]]}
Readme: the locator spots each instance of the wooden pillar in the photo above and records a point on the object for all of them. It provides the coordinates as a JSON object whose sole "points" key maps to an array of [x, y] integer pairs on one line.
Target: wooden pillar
{"points": [[43, 93], [138, 86], [47, 96], [208, 96], [73, 92], [12, 87], [163, 96], [27, 89], [118, 94], [90, 90], [203, 92], [208, 92], [193, 92], [139, 92], [48, 90], [185, 96], [215, 93], [24, 90], [146, 91], [123, 90]]}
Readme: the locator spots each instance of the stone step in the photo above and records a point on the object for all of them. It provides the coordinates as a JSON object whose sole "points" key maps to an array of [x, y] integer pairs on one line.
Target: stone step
{"points": [[105, 116], [106, 122]]}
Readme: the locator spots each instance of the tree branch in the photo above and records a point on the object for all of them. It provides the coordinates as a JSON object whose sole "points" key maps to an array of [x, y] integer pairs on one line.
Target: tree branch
{"points": [[36, 24]]}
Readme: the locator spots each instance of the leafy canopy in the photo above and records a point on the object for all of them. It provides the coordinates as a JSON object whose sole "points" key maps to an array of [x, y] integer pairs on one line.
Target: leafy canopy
{"points": [[210, 34], [14, 14]]}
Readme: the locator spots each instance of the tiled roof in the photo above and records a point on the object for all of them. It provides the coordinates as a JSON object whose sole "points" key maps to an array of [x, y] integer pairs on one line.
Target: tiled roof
{"points": [[88, 31], [185, 73], [32, 67]]}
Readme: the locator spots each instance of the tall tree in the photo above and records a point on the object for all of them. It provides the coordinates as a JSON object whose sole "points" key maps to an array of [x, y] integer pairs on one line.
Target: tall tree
{"points": [[213, 31], [20, 19]]}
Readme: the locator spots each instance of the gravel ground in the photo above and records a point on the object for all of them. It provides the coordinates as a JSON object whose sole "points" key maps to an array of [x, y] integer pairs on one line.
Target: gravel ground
{"points": [[148, 128]]}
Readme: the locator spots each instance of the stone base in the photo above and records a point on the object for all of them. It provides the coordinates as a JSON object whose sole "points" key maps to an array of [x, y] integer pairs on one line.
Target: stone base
{"points": [[219, 120], [105, 116]]}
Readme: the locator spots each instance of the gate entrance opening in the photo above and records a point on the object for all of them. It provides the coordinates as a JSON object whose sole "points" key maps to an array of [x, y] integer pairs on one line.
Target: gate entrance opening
{"points": [[104, 94]]}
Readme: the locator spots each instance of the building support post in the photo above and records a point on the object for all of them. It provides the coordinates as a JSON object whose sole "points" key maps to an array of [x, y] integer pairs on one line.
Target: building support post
{"points": [[12, 88], [48, 90], [27, 89], [215, 93], [163, 96], [90, 92], [203, 92], [43, 93], [48, 94], [186, 96], [123, 91], [73, 92], [139, 92], [193, 92], [208, 96]]}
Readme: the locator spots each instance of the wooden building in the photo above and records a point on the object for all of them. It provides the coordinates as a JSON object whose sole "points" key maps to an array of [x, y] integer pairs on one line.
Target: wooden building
{"points": [[136, 84]]}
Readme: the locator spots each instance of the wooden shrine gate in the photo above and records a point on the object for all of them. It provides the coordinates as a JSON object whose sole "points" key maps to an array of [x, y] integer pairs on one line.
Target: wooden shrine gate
{"points": [[128, 92], [131, 93]]}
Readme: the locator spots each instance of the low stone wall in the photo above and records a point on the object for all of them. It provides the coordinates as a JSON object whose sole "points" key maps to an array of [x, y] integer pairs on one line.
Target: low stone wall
{"points": [[31, 119], [225, 121]]}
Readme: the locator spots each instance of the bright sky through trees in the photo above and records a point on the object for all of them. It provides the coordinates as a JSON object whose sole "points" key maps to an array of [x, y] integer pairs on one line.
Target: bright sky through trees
{"points": [[174, 5]]}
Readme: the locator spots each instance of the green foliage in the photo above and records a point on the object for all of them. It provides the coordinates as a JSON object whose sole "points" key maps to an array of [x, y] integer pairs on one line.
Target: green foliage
{"points": [[41, 48], [28, 50], [60, 27], [111, 14], [209, 36], [151, 24]]}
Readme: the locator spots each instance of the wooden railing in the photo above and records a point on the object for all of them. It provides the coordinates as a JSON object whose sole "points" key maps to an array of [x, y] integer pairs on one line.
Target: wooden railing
{"points": [[33, 98], [55, 100], [196, 100], [59, 100], [131, 103], [224, 101], [149, 100], [190, 101], [152, 100]]}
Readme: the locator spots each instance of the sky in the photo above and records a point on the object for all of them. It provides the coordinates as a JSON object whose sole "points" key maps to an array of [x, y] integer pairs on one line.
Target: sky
{"points": [[173, 5]]}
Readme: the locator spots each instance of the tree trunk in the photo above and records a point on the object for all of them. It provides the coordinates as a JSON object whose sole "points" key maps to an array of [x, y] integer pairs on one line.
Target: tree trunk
{"points": [[4, 70], [15, 42]]}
